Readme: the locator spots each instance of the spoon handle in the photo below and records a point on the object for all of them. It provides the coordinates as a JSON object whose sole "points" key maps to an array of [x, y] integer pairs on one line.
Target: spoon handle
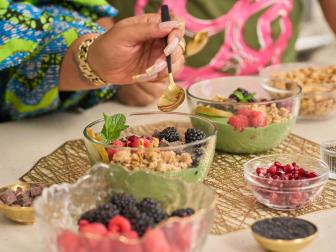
{"points": [[166, 17]]}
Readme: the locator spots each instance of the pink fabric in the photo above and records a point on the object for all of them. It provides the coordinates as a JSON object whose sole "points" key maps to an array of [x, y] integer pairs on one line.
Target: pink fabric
{"points": [[234, 47]]}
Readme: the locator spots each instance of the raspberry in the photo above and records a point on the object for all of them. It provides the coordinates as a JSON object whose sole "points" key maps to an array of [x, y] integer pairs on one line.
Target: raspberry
{"points": [[183, 212], [136, 143], [83, 223], [118, 143], [93, 228], [257, 119], [119, 225], [193, 135], [245, 112], [153, 209], [239, 122], [101, 214], [170, 134], [155, 240], [132, 138], [147, 142], [131, 235], [68, 241]]}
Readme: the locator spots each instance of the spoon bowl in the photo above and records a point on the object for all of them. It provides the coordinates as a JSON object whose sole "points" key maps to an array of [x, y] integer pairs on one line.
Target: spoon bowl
{"points": [[172, 98], [196, 43]]}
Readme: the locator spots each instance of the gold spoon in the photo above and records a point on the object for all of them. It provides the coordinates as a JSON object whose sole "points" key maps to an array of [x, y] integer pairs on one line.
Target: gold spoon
{"points": [[174, 95], [196, 43]]}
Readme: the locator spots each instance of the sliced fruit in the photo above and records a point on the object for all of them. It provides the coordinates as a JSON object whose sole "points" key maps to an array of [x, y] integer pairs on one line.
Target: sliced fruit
{"points": [[212, 111], [101, 150]]}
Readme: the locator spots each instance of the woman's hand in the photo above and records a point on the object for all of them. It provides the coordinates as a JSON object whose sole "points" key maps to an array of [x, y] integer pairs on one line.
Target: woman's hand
{"points": [[141, 94], [132, 50]]}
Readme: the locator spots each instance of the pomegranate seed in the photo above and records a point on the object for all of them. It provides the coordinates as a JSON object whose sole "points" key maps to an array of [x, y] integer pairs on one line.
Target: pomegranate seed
{"points": [[288, 168], [272, 170], [260, 171], [278, 164], [311, 175]]}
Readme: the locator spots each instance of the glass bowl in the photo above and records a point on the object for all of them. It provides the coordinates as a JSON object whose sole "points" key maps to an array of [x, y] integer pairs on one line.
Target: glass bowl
{"points": [[280, 114], [286, 194], [60, 206], [318, 84], [188, 161]]}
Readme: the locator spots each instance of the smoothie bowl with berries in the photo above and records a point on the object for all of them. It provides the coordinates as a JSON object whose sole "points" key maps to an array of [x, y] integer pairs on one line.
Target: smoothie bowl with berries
{"points": [[174, 144], [286, 182], [111, 209], [247, 118]]}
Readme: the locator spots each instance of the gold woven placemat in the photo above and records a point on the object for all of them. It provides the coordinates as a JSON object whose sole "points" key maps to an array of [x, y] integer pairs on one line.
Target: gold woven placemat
{"points": [[236, 207]]}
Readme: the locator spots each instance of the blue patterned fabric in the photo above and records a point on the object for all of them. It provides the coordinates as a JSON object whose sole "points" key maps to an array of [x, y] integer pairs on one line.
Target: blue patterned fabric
{"points": [[34, 36]]}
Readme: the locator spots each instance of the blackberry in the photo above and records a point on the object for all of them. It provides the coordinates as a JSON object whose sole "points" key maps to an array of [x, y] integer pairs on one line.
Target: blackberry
{"points": [[183, 212], [123, 200], [193, 135], [131, 212], [141, 224], [242, 95], [170, 134], [196, 156], [100, 214], [243, 91], [153, 209]]}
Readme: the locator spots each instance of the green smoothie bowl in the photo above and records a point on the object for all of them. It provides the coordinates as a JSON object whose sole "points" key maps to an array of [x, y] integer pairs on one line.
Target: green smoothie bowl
{"points": [[172, 144], [248, 119]]}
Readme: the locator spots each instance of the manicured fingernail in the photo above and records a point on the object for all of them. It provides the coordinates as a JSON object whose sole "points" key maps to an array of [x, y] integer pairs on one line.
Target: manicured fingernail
{"points": [[168, 25], [171, 46], [156, 68], [144, 77]]}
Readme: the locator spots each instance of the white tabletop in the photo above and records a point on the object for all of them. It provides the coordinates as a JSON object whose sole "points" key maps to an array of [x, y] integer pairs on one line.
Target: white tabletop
{"points": [[23, 143]]}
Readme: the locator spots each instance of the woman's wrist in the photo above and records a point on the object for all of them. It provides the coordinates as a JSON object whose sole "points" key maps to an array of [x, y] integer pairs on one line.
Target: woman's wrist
{"points": [[71, 78]]}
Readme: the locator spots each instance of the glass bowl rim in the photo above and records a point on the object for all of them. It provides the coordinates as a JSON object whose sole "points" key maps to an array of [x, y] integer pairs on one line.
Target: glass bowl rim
{"points": [[67, 186], [249, 175], [262, 84], [263, 74], [167, 148]]}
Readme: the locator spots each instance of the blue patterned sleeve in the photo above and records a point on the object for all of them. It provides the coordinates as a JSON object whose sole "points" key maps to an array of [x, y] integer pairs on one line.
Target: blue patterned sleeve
{"points": [[33, 40]]}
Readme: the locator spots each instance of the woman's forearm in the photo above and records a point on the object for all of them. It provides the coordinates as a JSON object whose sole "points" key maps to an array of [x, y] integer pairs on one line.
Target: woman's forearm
{"points": [[329, 9]]}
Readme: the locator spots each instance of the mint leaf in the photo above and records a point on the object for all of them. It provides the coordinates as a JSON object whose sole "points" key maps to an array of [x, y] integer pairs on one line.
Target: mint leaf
{"points": [[113, 126], [239, 95]]}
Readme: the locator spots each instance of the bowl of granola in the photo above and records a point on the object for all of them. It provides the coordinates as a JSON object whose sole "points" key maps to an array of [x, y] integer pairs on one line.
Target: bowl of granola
{"points": [[110, 209], [318, 84], [174, 144], [248, 118]]}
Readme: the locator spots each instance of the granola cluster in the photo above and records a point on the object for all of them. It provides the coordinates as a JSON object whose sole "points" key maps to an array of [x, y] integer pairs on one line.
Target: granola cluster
{"points": [[163, 161], [318, 88], [273, 113]]}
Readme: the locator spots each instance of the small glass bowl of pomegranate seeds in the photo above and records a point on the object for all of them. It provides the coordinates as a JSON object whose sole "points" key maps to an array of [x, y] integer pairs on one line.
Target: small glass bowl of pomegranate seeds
{"points": [[286, 181]]}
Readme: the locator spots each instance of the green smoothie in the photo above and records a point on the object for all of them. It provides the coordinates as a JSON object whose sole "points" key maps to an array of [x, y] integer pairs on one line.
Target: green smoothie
{"points": [[250, 140]]}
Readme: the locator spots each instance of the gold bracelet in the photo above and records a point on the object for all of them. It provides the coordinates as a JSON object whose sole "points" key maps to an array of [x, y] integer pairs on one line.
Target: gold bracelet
{"points": [[84, 66]]}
